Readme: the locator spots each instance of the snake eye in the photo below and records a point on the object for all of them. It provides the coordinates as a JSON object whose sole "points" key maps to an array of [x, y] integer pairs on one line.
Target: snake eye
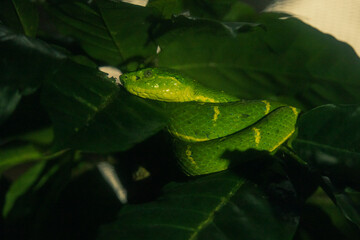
{"points": [[137, 78], [148, 73]]}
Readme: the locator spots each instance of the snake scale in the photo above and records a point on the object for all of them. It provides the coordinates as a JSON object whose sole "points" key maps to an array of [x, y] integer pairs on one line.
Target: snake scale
{"points": [[206, 123]]}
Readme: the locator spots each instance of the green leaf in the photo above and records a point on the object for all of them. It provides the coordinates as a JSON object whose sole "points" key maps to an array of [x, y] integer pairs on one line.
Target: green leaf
{"points": [[284, 60], [346, 199], [227, 10], [17, 76], [21, 15], [55, 204], [218, 206], [328, 140], [9, 98], [31, 196], [18, 51], [93, 114], [167, 8], [128, 25], [349, 202], [321, 219], [21, 186], [28, 120], [14, 155], [348, 206], [113, 32], [28, 147], [71, 213], [43, 136]]}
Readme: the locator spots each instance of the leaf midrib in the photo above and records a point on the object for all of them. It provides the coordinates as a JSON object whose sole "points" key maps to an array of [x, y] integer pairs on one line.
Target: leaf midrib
{"points": [[19, 17], [111, 35], [210, 217]]}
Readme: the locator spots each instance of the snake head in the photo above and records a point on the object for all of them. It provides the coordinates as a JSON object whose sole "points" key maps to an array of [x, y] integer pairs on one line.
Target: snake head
{"points": [[158, 84]]}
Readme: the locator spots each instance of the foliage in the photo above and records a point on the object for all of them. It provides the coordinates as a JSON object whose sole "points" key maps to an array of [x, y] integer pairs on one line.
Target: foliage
{"points": [[61, 118]]}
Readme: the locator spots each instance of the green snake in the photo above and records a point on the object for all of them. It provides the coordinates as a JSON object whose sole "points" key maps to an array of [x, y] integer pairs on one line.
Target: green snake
{"points": [[206, 123]]}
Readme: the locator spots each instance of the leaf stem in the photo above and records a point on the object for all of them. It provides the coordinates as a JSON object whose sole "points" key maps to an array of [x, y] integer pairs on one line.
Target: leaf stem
{"points": [[291, 153]]}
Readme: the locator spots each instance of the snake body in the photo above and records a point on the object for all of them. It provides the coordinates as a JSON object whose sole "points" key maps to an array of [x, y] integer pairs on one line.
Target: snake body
{"points": [[206, 123]]}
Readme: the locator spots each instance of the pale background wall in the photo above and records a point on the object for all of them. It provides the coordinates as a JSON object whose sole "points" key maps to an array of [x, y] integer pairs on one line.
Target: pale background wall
{"points": [[340, 18]]}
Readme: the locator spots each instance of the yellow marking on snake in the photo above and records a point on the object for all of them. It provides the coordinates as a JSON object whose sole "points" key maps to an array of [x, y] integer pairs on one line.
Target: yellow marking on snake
{"points": [[205, 99], [188, 138], [188, 154], [267, 105], [282, 141], [216, 113], [257, 135], [294, 110]]}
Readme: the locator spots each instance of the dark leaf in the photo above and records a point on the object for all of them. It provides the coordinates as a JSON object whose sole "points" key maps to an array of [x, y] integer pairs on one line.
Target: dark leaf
{"points": [[25, 148], [317, 222], [347, 200], [9, 98], [321, 219], [128, 26], [219, 206], [28, 118], [226, 10], [14, 155], [31, 196], [328, 140], [90, 112], [24, 63], [21, 186], [285, 60], [20, 15], [113, 32]]}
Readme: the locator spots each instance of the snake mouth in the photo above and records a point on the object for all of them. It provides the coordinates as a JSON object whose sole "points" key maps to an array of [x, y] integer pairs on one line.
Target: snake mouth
{"points": [[145, 93]]}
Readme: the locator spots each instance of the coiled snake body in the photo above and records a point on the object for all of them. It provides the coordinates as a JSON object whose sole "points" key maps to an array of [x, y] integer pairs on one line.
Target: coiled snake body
{"points": [[206, 123]]}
